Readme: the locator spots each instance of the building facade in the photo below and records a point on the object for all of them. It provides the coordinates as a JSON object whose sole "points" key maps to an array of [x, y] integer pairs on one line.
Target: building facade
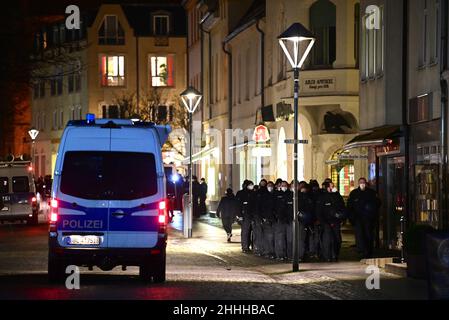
{"points": [[402, 104], [122, 55], [247, 82]]}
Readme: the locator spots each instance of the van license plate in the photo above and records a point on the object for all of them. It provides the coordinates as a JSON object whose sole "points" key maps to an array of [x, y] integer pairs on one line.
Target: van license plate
{"points": [[84, 240]]}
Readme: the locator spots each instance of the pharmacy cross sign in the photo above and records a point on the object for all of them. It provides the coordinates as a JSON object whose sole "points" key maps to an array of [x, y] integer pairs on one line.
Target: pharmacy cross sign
{"points": [[261, 134]]}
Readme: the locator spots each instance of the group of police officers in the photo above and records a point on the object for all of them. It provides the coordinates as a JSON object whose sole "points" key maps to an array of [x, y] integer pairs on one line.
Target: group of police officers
{"points": [[265, 213]]}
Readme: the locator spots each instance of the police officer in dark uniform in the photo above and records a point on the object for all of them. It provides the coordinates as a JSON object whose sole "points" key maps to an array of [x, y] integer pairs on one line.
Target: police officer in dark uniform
{"points": [[283, 244], [258, 219], [315, 237], [228, 209], [246, 199], [306, 218], [266, 202], [363, 206], [331, 212]]}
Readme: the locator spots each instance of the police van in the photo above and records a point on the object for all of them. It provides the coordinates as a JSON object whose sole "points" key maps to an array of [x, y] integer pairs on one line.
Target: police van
{"points": [[18, 199], [108, 204]]}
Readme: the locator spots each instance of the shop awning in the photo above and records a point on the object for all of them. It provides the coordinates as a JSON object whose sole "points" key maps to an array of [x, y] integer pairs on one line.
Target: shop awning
{"points": [[378, 137]]}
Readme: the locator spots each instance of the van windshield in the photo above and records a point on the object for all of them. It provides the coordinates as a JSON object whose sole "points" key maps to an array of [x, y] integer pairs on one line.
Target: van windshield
{"points": [[109, 175], [20, 184]]}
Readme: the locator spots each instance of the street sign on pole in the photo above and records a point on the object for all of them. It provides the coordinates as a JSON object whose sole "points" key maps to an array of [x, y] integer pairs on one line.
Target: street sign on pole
{"points": [[293, 141]]}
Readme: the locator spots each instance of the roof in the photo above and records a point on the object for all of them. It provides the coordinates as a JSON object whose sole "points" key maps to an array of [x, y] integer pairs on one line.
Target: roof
{"points": [[255, 12], [139, 18]]}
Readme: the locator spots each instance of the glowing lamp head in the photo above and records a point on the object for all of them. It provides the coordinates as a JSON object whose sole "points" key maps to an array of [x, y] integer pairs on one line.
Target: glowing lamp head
{"points": [[191, 99], [290, 41]]}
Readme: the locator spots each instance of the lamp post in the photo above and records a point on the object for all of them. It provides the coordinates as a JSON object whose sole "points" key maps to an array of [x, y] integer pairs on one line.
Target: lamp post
{"points": [[191, 99], [293, 40], [33, 132]]}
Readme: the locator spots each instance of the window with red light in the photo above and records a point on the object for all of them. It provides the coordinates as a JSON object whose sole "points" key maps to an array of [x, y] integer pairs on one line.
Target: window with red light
{"points": [[162, 70]]}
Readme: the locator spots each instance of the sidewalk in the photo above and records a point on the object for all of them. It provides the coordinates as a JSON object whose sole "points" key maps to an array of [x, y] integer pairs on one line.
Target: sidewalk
{"points": [[340, 281]]}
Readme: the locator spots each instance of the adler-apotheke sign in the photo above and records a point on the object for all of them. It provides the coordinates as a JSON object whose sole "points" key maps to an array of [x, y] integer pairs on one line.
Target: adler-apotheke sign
{"points": [[318, 84]]}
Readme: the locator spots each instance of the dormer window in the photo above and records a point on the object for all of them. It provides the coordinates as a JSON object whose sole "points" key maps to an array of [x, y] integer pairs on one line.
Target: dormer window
{"points": [[111, 32], [161, 25]]}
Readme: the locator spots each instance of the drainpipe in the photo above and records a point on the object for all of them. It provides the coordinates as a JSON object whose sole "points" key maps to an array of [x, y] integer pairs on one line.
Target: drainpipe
{"points": [[444, 114], [262, 65], [210, 71], [230, 94]]}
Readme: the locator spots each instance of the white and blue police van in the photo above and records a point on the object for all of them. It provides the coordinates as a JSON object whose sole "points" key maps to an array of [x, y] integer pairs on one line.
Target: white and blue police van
{"points": [[108, 204]]}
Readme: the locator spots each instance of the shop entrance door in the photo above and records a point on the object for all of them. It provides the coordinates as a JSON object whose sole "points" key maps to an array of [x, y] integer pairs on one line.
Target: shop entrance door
{"points": [[392, 194]]}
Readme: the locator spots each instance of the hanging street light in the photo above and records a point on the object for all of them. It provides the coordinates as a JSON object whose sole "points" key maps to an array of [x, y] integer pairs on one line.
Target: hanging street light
{"points": [[296, 42], [191, 99]]}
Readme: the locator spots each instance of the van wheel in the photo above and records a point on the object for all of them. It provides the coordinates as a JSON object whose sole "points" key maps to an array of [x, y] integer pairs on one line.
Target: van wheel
{"points": [[56, 269], [34, 220], [153, 269], [159, 270], [145, 271]]}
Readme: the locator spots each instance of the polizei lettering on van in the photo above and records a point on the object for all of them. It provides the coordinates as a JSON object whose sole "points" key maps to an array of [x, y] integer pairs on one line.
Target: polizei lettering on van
{"points": [[83, 224]]}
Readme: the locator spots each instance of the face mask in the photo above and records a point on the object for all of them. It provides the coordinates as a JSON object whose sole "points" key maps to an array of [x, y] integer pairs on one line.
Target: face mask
{"points": [[270, 189], [334, 189], [284, 189], [362, 186], [251, 187], [303, 190]]}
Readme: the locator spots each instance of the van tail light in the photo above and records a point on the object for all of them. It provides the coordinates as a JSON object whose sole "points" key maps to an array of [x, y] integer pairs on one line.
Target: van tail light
{"points": [[162, 216], [34, 202], [53, 211]]}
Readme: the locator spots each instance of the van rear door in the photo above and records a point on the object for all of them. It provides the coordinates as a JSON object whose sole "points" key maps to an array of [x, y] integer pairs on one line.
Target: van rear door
{"points": [[136, 189], [82, 195]]}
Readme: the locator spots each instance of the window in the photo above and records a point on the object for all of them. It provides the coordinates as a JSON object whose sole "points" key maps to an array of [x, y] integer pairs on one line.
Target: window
{"points": [[59, 81], [53, 86], [323, 16], [109, 175], [74, 78], [20, 184], [162, 71], [36, 90], [43, 122], [112, 71], [71, 82], [42, 88], [425, 21], [55, 120], [62, 34], [161, 25], [111, 32], [72, 113], [4, 185], [61, 119], [436, 33], [55, 35]]}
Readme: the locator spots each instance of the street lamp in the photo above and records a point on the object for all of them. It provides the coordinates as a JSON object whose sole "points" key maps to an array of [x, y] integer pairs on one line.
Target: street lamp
{"points": [[293, 40], [191, 99], [33, 132]]}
